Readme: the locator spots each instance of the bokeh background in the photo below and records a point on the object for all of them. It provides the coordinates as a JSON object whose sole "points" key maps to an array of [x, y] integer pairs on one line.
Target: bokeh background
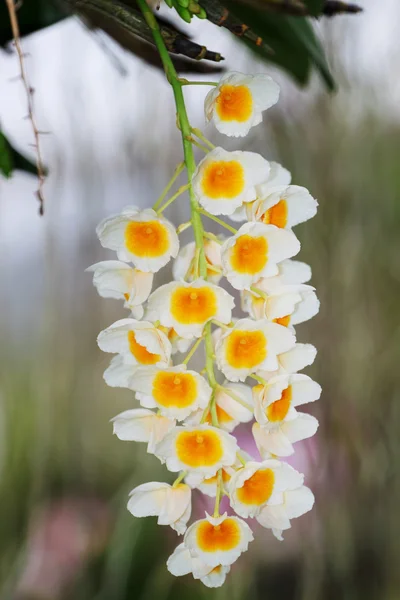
{"points": [[64, 478]]}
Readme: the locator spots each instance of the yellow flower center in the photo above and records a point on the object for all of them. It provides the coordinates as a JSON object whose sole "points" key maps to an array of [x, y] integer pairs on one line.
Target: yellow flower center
{"points": [[283, 321], [234, 103], [223, 179], [276, 215], [142, 355], [170, 389], [146, 239], [249, 254], [199, 448], [278, 410], [258, 488], [193, 305], [225, 537], [246, 349]]}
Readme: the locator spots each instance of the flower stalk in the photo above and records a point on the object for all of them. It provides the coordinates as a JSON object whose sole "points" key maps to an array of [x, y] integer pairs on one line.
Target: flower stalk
{"points": [[186, 417]]}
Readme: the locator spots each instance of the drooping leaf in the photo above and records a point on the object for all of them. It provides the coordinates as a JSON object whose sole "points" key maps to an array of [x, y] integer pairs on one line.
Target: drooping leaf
{"points": [[11, 159], [315, 6], [304, 31], [5, 157], [296, 48]]}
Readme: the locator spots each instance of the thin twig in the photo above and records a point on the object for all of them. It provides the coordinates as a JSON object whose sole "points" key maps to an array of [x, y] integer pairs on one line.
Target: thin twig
{"points": [[17, 42]]}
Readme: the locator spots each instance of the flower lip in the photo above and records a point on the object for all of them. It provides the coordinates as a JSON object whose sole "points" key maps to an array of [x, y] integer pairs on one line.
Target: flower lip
{"points": [[254, 252], [251, 346], [224, 180], [218, 541], [141, 237], [187, 307], [202, 449], [236, 104]]}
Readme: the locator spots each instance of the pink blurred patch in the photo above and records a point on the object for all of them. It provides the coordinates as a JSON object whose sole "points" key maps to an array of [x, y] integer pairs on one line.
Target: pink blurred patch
{"points": [[62, 537]]}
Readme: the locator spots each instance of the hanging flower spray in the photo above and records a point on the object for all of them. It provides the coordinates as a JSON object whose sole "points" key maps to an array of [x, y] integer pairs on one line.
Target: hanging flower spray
{"points": [[187, 418]]}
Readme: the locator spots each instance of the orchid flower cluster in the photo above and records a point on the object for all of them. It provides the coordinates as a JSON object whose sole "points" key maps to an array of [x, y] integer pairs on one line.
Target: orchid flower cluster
{"points": [[188, 418]]}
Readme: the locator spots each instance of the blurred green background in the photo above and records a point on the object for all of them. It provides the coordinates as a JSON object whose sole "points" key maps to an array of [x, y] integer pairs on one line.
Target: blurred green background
{"points": [[64, 479]]}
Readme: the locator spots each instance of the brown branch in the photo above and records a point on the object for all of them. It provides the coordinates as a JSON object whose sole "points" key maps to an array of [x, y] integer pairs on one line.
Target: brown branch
{"points": [[29, 95]]}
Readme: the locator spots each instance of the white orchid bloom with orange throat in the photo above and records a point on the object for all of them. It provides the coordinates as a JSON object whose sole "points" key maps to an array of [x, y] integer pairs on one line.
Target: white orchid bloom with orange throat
{"points": [[236, 104], [141, 237], [224, 180]]}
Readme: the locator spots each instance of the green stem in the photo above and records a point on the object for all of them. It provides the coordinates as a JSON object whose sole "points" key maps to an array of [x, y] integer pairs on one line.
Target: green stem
{"points": [[218, 495], [217, 220], [181, 476], [259, 379], [181, 190], [236, 398], [196, 143], [192, 351], [169, 185], [190, 163], [221, 325], [240, 457], [213, 237], [183, 226], [186, 82], [202, 137], [259, 292]]}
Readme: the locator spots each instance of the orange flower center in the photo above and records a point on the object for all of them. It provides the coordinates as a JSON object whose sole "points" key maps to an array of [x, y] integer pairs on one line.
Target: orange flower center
{"points": [[249, 254], [278, 410], [174, 389], [193, 305], [225, 537], [258, 488], [200, 448], [142, 355], [283, 321], [223, 179], [276, 215], [246, 349], [234, 103], [146, 239]]}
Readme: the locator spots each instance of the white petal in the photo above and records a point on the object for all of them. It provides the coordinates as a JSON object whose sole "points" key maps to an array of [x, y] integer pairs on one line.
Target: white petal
{"points": [[133, 425], [294, 271], [306, 309], [301, 428], [112, 278], [274, 517], [147, 499], [180, 561], [297, 358], [271, 442], [216, 577]]}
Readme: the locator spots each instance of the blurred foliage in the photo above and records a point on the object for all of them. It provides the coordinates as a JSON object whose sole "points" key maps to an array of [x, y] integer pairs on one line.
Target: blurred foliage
{"points": [[287, 41], [11, 159], [57, 442], [33, 15]]}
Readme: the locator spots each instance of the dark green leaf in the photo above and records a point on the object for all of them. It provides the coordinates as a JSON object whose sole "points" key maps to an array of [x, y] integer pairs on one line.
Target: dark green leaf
{"points": [[315, 6], [33, 15], [11, 159], [5, 157], [296, 48], [304, 31]]}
